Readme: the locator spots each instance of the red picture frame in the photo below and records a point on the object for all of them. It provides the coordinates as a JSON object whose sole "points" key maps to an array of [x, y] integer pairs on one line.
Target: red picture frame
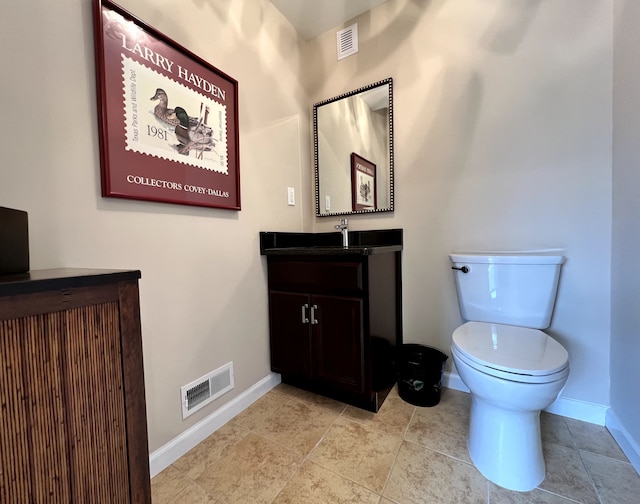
{"points": [[364, 192], [168, 120]]}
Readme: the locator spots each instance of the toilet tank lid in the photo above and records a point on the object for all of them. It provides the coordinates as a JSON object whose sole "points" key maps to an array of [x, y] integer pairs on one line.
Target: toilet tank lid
{"points": [[534, 257]]}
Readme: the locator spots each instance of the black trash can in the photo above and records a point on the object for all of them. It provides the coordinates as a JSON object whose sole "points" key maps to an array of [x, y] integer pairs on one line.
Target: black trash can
{"points": [[420, 371]]}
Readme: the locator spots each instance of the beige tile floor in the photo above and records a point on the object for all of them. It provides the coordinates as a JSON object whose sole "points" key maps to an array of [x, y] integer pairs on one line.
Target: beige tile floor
{"points": [[293, 447]]}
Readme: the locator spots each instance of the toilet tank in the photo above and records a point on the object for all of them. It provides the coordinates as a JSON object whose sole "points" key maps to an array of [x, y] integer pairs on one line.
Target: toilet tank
{"points": [[507, 288]]}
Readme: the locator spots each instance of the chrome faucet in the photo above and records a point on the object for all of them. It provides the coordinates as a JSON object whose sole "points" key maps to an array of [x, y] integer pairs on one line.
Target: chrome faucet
{"points": [[344, 228]]}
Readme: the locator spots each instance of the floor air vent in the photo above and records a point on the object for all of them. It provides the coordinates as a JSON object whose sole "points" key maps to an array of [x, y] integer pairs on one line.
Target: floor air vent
{"points": [[348, 41], [202, 391]]}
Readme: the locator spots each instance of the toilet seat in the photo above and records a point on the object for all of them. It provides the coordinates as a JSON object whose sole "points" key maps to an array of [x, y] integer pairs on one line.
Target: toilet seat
{"points": [[514, 353]]}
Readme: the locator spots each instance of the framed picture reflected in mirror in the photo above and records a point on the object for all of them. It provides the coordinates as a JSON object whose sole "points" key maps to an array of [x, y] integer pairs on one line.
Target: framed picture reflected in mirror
{"points": [[364, 194]]}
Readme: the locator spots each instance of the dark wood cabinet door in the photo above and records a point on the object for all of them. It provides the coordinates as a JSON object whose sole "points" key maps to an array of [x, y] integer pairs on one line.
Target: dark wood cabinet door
{"points": [[338, 336], [355, 309], [290, 334]]}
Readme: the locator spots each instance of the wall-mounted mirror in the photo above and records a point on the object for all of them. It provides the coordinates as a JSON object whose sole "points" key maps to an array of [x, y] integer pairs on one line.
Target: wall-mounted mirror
{"points": [[353, 144]]}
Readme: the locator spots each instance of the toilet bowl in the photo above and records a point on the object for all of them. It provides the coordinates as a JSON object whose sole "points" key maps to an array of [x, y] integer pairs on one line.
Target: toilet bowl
{"points": [[513, 373], [512, 369]]}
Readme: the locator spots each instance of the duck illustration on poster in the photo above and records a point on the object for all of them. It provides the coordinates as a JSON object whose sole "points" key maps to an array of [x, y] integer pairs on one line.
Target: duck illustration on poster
{"points": [[176, 122], [192, 133]]}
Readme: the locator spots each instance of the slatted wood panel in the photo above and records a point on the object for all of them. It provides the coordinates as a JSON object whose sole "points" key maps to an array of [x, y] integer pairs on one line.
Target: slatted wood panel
{"points": [[15, 483], [62, 424]]}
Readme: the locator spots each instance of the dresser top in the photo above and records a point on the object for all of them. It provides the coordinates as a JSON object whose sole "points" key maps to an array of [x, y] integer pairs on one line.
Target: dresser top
{"points": [[61, 278]]}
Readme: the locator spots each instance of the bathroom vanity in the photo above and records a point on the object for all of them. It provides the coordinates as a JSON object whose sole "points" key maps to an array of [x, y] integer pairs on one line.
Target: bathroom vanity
{"points": [[335, 312]]}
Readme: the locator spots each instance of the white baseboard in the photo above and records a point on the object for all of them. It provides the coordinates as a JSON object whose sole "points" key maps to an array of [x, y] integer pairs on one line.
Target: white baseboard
{"points": [[579, 410], [626, 442], [564, 406], [452, 380], [167, 454]]}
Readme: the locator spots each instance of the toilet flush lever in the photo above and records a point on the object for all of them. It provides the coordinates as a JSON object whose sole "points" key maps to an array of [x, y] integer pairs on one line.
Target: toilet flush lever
{"points": [[464, 269]]}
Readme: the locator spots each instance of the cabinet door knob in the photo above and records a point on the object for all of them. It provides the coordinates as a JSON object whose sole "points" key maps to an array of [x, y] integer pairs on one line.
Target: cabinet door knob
{"points": [[305, 319], [314, 308]]}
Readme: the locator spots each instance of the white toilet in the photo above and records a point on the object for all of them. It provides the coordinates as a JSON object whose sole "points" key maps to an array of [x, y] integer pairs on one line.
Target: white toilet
{"points": [[512, 369]]}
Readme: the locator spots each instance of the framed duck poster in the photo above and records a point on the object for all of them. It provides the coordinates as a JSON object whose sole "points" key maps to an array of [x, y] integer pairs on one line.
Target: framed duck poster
{"points": [[168, 120], [364, 193]]}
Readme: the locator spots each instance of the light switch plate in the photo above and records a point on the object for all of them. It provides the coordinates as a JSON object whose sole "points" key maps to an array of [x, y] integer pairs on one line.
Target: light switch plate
{"points": [[291, 196], [327, 202]]}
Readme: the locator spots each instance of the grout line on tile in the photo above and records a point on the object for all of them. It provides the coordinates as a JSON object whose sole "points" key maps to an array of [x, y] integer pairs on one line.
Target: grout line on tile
{"points": [[395, 459], [560, 495], [581, 450], [308, 455], [440, 452], [288, 481], [317, 407], [389, 499], [586, 468], [406, 429]]}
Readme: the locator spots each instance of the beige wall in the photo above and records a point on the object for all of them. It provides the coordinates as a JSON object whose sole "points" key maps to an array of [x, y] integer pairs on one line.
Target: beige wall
{"points": [[503, 141], [502, 114], [203, 290]]}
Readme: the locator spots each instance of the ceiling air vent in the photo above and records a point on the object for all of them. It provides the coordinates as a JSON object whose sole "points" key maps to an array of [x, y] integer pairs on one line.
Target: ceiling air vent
{"points": [[348, 41], [198, 393]]}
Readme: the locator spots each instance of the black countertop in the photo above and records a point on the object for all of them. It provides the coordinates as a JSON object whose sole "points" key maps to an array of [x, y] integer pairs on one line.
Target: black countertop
{"points": [[332, 251], [330, 244]]}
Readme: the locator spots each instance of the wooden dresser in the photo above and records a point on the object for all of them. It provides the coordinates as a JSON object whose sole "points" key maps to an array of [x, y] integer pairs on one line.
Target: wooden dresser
{"points": [[73, 425]]}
